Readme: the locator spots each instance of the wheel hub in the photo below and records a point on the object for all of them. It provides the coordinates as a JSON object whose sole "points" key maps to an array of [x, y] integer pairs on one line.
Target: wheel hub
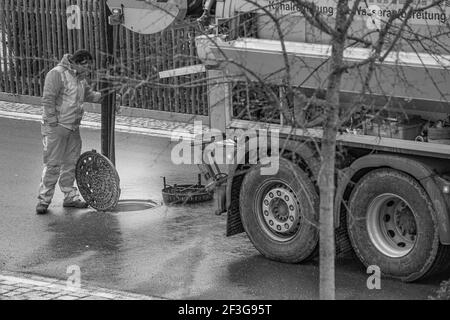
{"points": [[280, 211], [391, 225]]}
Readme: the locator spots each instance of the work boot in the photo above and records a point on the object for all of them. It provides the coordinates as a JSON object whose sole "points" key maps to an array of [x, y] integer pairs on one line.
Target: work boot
{"points": [[75, 204], [41, 208]]}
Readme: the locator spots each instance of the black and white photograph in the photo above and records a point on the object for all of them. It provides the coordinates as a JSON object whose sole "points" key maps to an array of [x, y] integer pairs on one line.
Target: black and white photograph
{"points": [[224, 158]]}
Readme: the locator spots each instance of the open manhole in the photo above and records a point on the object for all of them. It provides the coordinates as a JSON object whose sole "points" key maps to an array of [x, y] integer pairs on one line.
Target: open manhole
{"points": [[99, 184], [130, 205]]}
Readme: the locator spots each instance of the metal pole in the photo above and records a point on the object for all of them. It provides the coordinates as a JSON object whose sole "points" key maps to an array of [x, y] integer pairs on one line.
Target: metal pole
{"points": [[108, 103]]}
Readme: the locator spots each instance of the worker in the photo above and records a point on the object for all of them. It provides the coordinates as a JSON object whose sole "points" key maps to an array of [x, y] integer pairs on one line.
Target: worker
{"points": [[65, 91]]}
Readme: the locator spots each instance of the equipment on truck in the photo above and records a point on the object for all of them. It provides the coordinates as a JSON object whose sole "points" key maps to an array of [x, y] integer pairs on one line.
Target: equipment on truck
{"points": [[393, 192], [150, 16], [186, 193]]}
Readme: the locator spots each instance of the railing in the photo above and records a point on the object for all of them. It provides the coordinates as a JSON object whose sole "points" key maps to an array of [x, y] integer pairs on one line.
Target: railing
{"points": [[34, 35]]}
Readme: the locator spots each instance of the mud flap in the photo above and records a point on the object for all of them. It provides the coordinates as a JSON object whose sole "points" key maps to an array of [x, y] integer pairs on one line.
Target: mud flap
{"points": [[234, 223]]}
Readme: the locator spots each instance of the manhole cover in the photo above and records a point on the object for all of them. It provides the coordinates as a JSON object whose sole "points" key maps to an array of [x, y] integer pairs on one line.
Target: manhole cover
{"points": [[98, 181]]}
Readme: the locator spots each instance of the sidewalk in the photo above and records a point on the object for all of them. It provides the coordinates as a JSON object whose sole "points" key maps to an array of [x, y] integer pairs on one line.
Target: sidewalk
{"points": [[146, 126], [14, 286]]}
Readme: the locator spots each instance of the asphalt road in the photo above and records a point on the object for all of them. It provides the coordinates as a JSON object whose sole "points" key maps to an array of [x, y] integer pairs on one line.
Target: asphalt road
{"points": [[177, 252]]}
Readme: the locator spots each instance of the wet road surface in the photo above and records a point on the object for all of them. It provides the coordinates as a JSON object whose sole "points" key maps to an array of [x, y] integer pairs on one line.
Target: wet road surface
{"points": [[174, 252]]}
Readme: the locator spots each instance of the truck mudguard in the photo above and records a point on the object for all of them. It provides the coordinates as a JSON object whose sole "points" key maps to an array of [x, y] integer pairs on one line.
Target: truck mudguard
{"points": [[303, 150]]}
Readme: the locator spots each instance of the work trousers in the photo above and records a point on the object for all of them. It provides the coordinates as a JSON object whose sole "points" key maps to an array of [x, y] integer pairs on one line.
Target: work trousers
{"points": [[62, 149]]}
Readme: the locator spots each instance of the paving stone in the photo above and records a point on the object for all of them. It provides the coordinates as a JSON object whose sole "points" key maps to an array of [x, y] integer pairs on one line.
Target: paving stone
{"points": [[33, 295], [26, 296], [104, 295], [46, 289], [8, 282], [3, 291], [23, 290], [79, 294], [37, 278], [7, 287], [16, 281], [52, 296], [66, 298], [40, 288], [11, 293], [36, 297], [93, 298]]}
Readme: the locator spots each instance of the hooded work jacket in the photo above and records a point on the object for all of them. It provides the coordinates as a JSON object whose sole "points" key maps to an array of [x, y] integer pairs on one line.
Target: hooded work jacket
{"points": [[64, 95]]}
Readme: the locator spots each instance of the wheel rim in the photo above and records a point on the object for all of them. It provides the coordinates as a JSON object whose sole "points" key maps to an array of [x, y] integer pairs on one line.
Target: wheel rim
{"points": [[278, 211], [391, 225]]}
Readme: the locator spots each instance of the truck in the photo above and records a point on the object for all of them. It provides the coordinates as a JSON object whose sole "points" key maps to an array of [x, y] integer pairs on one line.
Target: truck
{"points": [[392, 201]]}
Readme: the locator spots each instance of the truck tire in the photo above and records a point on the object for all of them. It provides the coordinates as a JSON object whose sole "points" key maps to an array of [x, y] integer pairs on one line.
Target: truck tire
{"points": [[392, 224], [280, 213]]}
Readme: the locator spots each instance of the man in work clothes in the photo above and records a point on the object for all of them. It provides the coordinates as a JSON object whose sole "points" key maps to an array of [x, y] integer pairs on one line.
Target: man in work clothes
{"points": [[65, 91]]}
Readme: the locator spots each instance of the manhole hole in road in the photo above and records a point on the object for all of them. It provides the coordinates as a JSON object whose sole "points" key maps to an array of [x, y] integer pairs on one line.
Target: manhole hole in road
{"points": [[99, 184], [130, 205]]}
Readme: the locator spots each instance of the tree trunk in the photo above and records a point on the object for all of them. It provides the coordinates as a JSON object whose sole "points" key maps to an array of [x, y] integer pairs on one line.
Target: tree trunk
{"points": [[326, 179], [327, 190]]}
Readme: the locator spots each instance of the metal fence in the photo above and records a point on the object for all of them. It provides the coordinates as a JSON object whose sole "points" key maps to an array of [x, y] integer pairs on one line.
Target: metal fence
{"points": [[34, 35]]}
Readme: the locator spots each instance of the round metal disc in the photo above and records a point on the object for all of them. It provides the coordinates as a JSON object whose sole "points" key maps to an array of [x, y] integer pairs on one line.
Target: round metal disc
{"points": [[98, 181]]}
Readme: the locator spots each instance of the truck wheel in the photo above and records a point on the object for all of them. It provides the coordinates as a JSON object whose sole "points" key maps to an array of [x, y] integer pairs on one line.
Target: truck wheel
{"points": [[280, 213], [392, 225]]}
